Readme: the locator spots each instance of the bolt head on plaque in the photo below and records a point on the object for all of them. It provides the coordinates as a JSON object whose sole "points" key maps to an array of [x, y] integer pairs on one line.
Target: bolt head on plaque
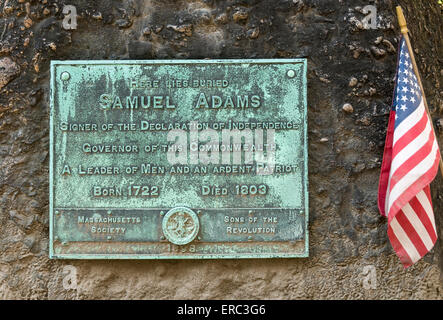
{"points": [[65, 76], [180, 225]]}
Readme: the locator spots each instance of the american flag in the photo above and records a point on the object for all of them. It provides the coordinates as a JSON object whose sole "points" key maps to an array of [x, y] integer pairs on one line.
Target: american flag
{"points": [[410, 162]]}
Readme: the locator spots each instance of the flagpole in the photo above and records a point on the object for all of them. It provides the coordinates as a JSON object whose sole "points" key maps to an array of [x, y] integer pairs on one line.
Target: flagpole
{"points": [[404, 31]]}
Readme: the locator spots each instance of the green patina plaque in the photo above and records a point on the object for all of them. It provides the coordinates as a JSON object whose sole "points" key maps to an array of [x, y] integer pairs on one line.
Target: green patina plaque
{"points": [[178, 159]]}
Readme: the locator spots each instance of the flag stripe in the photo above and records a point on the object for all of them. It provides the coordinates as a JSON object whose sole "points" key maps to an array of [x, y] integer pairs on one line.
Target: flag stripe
{"points": [[416, 136], [404, 240], [421, 221], [411, 233], [415, 228], [400, 167], [409, 122], [419, 173], [383, 186], [413, 189], [396, 245], [424, 198]]}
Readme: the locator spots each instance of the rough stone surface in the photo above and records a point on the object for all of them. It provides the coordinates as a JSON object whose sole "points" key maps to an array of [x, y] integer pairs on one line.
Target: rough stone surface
{"points": [[347, 233], [8, 70], [348, 107]]}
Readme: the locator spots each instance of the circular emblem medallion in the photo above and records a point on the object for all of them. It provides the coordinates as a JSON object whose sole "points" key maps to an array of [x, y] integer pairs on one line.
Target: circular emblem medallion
{"points": [[180, 225]]}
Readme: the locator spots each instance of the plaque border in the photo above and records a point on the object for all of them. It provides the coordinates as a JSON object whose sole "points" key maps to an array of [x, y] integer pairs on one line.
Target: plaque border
{"points": [[55, 63]]}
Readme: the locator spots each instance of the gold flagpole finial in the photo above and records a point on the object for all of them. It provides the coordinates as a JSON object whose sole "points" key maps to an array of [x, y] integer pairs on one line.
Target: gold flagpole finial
{"points": [[401, 20]]}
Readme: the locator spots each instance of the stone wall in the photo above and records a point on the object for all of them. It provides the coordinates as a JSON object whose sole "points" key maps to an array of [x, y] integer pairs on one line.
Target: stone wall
{"points": [[350, 83]]}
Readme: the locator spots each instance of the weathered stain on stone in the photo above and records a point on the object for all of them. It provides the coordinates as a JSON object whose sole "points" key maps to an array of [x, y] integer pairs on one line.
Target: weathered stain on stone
{"points": [[185, 28], [240, 14], [8, 70]]}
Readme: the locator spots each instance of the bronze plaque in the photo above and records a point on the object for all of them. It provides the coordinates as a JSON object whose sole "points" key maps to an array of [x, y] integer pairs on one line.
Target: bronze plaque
{"points": [[178, 159]]}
